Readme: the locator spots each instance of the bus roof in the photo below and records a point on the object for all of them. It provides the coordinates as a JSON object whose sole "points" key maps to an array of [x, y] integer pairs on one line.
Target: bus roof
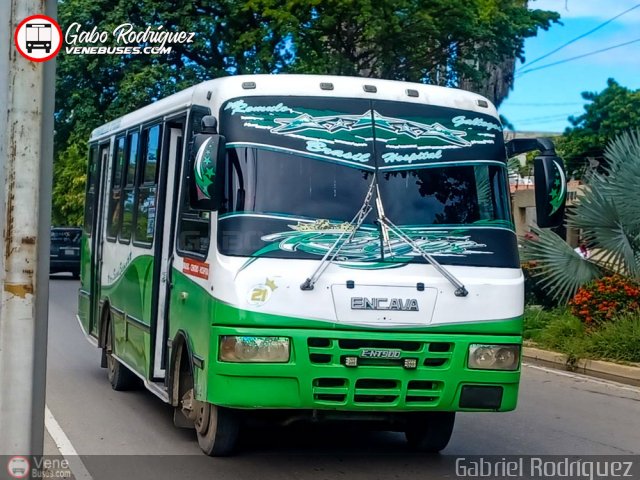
{"points": [[213, 93]]}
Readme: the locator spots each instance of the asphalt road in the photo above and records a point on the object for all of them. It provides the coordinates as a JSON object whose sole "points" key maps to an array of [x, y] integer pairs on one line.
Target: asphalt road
{"points": [[557, 414]]}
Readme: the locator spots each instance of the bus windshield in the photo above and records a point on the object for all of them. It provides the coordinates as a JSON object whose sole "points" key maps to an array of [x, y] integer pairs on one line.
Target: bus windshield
{"points": [[297, 173], [289, 206]]}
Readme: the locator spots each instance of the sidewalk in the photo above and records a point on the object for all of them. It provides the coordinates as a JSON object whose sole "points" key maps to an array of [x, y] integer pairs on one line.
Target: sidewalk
{"points": [[628, 374]]}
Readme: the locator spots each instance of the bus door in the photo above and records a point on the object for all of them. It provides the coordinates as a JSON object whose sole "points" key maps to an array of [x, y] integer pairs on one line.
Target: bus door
{"points": [[165, 226], [94, 217]]}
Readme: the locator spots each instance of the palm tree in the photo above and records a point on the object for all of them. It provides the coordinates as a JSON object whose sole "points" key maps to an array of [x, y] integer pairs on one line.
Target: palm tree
{"points": [[608, 214]]}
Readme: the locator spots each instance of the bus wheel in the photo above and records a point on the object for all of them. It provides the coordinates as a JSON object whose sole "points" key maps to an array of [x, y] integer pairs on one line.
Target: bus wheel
{"points": [[217, 429], [429, 432], [120, 377]]}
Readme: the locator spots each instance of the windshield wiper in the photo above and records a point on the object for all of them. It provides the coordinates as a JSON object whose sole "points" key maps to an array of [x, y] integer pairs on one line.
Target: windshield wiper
{"points": [[352, 228], [460, 291]]}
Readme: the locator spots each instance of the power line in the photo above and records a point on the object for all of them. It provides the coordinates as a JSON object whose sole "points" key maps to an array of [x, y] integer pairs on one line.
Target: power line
{"points": [[576, 57], [578, 38]]}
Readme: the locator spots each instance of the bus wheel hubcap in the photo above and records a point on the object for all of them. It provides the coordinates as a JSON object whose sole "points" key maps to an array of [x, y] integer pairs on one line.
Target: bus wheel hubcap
{"points": [[202, 418], [197, 411]]}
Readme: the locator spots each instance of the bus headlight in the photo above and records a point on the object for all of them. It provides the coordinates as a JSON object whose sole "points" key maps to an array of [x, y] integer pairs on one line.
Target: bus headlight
{"points": [[236, 348], [494, 357]]}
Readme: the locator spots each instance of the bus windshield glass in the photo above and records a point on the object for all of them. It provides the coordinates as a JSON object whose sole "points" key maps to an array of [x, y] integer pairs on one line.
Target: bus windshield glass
{"points": [[296, 175]]}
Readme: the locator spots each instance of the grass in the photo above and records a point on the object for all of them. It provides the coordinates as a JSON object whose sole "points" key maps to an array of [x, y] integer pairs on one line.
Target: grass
{"points": [[559, 330]]}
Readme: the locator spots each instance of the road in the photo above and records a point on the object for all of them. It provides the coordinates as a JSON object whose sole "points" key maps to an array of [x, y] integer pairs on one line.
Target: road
{"points": [[557, 413]]}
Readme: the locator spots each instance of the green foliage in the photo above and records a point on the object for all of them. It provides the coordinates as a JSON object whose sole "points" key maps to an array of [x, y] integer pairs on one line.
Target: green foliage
{"points": [[605, 298], [535, 320], [609, 112], [441, 42], [551, 328], [469, 43], [534, 292], [558, 330], [556, 266], [69, 183], [617, 340], [607, 215]]}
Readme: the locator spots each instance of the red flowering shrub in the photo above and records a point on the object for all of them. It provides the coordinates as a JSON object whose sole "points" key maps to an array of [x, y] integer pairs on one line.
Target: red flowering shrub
{"points": [[605, 298]]}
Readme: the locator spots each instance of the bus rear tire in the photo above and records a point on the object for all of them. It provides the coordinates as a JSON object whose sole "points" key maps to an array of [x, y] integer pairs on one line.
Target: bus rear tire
{"points": [[429, 432], [217, 430], [120, 377]]}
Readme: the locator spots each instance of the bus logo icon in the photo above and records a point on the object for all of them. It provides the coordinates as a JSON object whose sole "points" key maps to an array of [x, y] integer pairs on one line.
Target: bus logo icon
{"points": [[18, 467], [38, 38]]}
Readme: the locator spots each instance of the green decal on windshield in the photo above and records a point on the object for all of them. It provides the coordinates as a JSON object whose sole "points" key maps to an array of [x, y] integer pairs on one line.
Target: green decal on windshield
{"points": [[349, 136], [363, 251]]}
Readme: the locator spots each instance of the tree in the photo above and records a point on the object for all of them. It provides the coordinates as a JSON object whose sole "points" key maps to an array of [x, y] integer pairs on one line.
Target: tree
{"points": [[68, 190], [608, 216], [609, 112], [467, 43], [470, 44]]}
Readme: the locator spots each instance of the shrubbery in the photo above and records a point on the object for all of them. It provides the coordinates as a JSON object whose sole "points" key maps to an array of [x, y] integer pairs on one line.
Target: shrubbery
{"points": [[534, 292], [605, 298], [559, 330]]}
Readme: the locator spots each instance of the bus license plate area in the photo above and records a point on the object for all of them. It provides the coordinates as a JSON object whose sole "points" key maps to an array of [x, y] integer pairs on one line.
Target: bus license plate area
{"points": [[380, 305]]}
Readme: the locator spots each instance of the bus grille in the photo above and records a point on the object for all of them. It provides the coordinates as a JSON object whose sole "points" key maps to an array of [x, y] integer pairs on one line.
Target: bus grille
{"points": [[364, 391], [329, 351], [375, 391]]}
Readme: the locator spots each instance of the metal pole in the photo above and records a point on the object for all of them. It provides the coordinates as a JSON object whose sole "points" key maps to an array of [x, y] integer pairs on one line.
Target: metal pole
{"points": [[24, 217]]}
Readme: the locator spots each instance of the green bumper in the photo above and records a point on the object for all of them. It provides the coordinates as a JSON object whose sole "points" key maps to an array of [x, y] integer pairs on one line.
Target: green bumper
{"points": [[316, 378]]}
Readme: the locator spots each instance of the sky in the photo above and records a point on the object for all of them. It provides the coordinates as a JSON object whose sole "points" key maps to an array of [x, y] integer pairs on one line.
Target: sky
{"points": [[542, 100]]}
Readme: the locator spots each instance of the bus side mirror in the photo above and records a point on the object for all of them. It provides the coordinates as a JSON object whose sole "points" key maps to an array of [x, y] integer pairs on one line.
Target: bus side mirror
{"points": [[206, 173], [551, 190]]}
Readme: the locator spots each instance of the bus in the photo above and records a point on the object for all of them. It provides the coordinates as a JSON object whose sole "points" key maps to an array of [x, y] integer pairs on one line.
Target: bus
{"points": [[38, 37], [300, 247]]}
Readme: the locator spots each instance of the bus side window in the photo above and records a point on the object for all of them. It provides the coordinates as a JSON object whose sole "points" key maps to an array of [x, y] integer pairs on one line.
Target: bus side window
{"points": [[146, 198], [193, 227], [128, 190], [114, 213], [91, 188]]}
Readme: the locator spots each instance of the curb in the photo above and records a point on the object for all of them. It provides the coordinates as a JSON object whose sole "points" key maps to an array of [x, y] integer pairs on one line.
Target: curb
{"points": [[627, 374]]}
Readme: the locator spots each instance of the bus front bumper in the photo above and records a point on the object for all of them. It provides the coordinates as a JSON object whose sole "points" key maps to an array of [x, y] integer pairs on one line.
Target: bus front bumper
{"points": [[316, 377]]}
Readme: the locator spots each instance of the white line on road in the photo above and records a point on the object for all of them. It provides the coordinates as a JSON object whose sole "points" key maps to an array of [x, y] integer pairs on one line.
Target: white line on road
{"points": [[65, 447], [578, 376]]}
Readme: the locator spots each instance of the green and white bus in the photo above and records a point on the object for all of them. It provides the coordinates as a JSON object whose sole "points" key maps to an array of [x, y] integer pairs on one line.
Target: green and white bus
{"points": [[310, 247]]}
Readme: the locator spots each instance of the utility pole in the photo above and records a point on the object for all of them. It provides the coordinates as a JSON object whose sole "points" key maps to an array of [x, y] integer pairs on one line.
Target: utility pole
{"points": [[26, 162]]}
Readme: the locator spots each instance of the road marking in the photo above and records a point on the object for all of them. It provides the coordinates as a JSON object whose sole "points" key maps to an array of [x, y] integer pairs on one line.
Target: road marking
{"points": [[65, 447], [578, 376]]}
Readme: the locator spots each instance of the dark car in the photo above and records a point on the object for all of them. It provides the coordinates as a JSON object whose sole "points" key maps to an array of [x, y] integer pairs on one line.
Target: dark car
{"points": [[65, 250]]}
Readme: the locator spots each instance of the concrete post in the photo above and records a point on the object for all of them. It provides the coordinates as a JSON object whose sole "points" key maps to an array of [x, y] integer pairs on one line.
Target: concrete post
{"points": [[26, 130]]}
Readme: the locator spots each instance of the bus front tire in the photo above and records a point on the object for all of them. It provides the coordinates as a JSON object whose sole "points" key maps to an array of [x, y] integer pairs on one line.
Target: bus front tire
{"points": [[120, 377], [429, 432], [217, 429]]}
